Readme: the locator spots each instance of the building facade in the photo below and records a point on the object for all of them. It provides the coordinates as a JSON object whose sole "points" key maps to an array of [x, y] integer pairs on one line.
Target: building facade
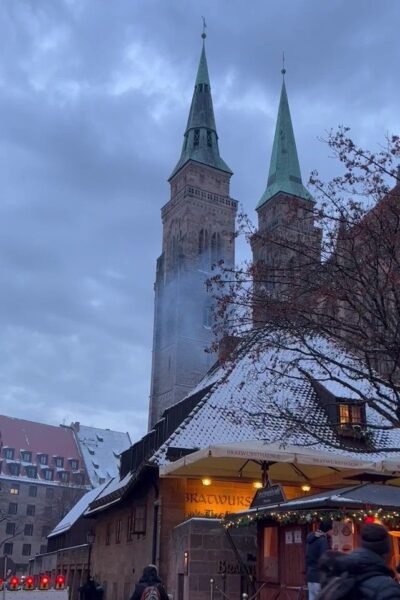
{"points": [[198, 232], [44, 471]]}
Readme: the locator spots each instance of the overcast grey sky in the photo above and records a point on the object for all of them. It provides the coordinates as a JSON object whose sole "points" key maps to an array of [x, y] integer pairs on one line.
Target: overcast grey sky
{"points": [[94, 97]]}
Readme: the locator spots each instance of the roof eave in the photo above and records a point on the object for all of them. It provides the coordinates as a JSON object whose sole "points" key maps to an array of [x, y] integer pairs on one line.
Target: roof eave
{"points": [[181, 164]]}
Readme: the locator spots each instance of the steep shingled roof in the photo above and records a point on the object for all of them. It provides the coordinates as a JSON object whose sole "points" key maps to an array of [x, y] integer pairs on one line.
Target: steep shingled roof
{"points": [[249, 402], [201, 139], [101, 450], [35, 440], [284, 172]]}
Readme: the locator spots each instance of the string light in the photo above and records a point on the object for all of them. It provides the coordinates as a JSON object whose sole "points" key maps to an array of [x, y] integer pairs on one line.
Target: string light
{"points": [[390, 518]]}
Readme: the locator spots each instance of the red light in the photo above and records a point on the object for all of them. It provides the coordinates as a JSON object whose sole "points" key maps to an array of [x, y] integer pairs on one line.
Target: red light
{"points": [[369, 519], [14, 581], [29, 580], [60, 579], [45, 580]]}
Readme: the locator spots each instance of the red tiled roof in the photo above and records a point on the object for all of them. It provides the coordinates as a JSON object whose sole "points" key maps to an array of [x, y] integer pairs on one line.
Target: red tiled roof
{"points": [[39, 438]]}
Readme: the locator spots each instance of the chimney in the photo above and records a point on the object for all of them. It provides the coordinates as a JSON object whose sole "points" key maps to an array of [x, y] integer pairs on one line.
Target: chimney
{"points": [[76, 426]]}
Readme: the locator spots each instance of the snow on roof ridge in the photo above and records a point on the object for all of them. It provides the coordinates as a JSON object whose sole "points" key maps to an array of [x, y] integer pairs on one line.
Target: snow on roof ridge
{"points": [[250, 388]]}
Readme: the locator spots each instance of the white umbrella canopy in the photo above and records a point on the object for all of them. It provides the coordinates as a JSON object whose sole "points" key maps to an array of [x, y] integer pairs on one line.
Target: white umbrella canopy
{"points": [[287, 464]]}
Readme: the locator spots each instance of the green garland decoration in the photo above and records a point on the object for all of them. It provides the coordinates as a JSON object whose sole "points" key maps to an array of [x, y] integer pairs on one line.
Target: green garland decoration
{"points": [[390, 518]]}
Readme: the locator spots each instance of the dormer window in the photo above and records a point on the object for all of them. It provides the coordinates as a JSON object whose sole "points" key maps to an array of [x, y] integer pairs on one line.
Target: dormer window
{"points": [[196, 137], [43, 459], [74, 464], [13, 469], [350, 414], [64, 476], [59, 462], [31, 472], [209, 138], [48, 474], [26, 456], [351, 419], [346, 414], [8, 453]]}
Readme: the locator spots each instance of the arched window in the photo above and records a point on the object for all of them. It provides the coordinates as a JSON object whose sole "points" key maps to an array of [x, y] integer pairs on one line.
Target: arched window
{"points": [[207, 314], [215, 247], [203, 241]]}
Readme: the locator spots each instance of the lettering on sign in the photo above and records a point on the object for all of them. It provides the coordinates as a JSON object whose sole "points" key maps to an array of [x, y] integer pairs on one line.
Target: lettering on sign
{"points": [[217, 499], [272, 494], [227, 568]]}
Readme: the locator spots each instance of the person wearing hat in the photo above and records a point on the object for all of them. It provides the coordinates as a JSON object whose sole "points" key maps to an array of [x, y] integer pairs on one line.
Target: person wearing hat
{"points": [[317, 543], [365, 568]]}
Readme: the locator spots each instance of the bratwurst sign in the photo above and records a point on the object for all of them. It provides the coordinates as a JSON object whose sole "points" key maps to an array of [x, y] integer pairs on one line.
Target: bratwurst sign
{"points": [[218, 498]]}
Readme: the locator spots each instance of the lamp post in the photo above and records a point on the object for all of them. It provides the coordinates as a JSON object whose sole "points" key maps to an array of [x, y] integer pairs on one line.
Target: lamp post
{"points": [[90, 537]]}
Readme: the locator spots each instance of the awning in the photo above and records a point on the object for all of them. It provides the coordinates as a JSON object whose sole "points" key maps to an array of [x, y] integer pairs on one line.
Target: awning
{"points": [[290, 464]]}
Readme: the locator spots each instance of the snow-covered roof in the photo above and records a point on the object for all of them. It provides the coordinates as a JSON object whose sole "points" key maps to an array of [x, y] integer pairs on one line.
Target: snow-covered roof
{"points": [[76, 511], [101, 449], [110, 494], [266, 393]]}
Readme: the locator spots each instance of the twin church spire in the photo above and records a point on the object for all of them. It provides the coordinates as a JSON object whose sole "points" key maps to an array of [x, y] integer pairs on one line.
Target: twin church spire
{"points": [[200, 142], [201, 139], [284, 171], [199, 231]]}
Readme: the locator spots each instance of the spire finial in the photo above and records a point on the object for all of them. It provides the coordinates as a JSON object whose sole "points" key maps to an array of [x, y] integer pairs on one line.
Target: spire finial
{"points": [[204, 35], [283, 70]]}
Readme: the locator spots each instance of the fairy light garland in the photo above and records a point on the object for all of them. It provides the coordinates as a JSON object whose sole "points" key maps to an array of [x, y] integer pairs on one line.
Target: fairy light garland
{"points": [[299, 517]]}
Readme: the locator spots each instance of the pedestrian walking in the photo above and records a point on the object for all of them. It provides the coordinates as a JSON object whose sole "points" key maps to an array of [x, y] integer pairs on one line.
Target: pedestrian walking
{"points": [[364, 572], [149, 586], [317, 543]]}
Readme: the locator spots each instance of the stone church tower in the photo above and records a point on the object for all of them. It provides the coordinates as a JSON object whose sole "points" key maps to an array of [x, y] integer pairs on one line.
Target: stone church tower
{"points": [[287, 240], [198, 231]]}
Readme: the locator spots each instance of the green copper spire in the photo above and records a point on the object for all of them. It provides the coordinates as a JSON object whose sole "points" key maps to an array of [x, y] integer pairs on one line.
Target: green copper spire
{"points": [[284, 172], [201, 139]]}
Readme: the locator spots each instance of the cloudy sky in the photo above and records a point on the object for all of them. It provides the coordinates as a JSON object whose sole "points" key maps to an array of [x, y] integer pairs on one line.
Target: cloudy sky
{"points": [[94, 97]]}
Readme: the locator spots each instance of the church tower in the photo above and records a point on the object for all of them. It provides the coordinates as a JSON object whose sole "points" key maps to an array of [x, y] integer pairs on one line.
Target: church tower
{"points": [[287, 241], [198, 232]]}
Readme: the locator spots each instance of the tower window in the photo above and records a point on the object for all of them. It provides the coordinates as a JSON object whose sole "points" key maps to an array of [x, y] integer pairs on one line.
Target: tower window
{"points": [[209, 138], [215, 247], [196, 139], [207, 315], [203, 241]]}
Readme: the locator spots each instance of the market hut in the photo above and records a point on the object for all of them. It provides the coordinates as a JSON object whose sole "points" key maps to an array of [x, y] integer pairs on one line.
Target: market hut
{"points": [[282, 529]]}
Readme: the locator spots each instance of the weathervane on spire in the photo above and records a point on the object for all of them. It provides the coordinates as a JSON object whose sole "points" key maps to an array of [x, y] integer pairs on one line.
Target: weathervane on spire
{"points": [[283, 70], [204, 35]]}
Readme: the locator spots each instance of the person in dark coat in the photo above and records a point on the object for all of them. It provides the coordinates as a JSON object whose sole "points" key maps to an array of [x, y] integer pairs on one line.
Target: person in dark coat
{"points": [[149, 579], [368, 564], [330, 566], [317, 544]]}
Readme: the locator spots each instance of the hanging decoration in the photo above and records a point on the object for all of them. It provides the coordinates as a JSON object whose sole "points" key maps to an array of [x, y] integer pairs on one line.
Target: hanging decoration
{"points": [[390, 518]]}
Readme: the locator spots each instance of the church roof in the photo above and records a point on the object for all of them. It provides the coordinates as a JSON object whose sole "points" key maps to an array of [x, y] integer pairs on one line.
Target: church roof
{"points": [[201, 139], [284, 171], [243, 401], [249, 402]]}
